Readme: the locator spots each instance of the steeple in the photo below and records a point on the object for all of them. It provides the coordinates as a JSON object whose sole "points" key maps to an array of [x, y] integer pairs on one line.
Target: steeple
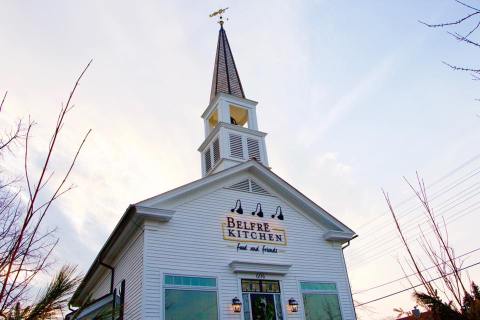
{"points": [[231, 128], [225, 73]]}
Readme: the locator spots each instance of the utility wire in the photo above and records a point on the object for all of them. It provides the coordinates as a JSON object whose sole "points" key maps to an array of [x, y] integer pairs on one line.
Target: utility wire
{"points": [[463, 165], [412, 225], [359, 254], [436, 195], [418, 285], [451, 200], [407, 276], [446, 188], [409, 230], [379, 254], [388, 235], [454, 217]]}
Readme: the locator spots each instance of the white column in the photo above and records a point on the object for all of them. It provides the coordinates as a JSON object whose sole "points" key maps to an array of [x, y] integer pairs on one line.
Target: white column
{"points": [[223, 111], [207, 127], [252, 119]]}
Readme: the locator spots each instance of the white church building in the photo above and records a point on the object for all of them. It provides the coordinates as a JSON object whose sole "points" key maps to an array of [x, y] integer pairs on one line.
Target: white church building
{"points": [[239, 244]]}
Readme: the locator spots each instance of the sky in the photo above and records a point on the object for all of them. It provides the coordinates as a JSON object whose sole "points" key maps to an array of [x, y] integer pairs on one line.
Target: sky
{"points": [[353, 95]]}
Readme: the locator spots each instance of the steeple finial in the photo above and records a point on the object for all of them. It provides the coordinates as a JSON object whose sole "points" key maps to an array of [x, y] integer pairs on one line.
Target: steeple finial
{"points": [[225, 73], [219, 13]]}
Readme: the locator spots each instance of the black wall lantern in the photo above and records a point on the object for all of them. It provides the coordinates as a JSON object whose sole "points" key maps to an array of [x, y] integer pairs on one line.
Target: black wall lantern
{"points": [[293, 305], [238, 207], [237, 305], [278, 213], [258, 211]]}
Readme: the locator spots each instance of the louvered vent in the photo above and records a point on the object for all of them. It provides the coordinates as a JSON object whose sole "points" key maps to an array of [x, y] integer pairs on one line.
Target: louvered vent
{"points": [[257, 189], [241, 186], [249, 186], [236, 148], [208, 160], [216, 151], [253, 147]]}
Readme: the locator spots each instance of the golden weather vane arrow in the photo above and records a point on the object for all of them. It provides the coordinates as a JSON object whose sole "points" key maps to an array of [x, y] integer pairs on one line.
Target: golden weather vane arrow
{"points": [[219, 13]]}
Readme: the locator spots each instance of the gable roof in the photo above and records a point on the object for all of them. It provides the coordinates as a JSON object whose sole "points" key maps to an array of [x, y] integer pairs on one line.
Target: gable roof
{"points": [[160, 207], [262, 173]]}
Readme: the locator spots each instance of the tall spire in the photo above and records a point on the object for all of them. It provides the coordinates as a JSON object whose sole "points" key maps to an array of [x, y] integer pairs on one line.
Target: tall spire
{"points": [[225, 74], [230, 120]]}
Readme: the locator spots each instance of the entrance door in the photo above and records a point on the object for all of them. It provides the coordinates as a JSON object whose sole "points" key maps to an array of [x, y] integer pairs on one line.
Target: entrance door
{"points": [[263, 307], [261, 299]]}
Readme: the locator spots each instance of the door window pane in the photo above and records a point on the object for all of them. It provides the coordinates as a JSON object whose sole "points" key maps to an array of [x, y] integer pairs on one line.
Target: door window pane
{"points": [[190, 304], [278, 306], [321, 306], [246, 306], [263, 306]]}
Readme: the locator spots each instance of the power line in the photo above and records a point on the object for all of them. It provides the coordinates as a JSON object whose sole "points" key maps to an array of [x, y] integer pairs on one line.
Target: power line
{"points": [[404, 277], [380, 254], [402, 215], [444, 206], [463, 165], [438, 193], [399, 245], [412, 224], [407, 230], [418, 285], [459, 195]]}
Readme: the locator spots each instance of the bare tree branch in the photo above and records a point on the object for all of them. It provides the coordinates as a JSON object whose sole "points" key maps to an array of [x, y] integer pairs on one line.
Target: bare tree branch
{"points": [[25, 248]]}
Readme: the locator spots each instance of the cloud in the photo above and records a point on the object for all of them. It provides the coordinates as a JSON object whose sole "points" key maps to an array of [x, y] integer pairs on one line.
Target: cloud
{"points": [[365, 87]]}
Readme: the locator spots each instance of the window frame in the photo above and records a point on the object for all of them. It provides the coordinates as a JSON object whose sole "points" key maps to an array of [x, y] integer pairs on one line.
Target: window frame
{"points": [[319, 292], [165, 287], [280, 279]]}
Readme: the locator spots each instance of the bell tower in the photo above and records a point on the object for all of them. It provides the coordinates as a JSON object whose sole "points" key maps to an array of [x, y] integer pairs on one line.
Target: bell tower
{"points": [[230, 119]]}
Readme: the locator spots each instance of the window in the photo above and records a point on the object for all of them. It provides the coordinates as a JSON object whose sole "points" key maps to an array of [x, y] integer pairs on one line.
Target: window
{"points": [[213, 120], [190, 298], [238, 116], [320, 301]]}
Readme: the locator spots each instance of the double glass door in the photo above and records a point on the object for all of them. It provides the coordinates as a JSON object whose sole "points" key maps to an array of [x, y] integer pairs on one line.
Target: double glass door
{"points": [[261, 299]]}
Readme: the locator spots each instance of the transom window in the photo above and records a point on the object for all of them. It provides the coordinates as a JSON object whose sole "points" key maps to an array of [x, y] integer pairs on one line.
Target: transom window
{"points": [[188, 297], [267, 286], [320, 301]]}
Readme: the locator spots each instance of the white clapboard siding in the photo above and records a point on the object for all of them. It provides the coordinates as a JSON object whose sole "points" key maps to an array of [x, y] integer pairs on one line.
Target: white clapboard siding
{"points": [[191, 243], [129, 266], [103, 286]]}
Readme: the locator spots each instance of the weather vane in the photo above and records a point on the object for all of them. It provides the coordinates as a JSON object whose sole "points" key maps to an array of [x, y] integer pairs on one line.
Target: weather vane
{"points": [[219, 13]]}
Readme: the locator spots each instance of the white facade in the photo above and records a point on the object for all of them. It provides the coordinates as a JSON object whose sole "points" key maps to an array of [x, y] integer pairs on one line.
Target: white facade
{"points": [[180, 233]]}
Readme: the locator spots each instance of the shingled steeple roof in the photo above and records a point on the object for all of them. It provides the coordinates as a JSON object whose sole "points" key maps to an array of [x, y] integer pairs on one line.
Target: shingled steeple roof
{"points": [[225, 74]]}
